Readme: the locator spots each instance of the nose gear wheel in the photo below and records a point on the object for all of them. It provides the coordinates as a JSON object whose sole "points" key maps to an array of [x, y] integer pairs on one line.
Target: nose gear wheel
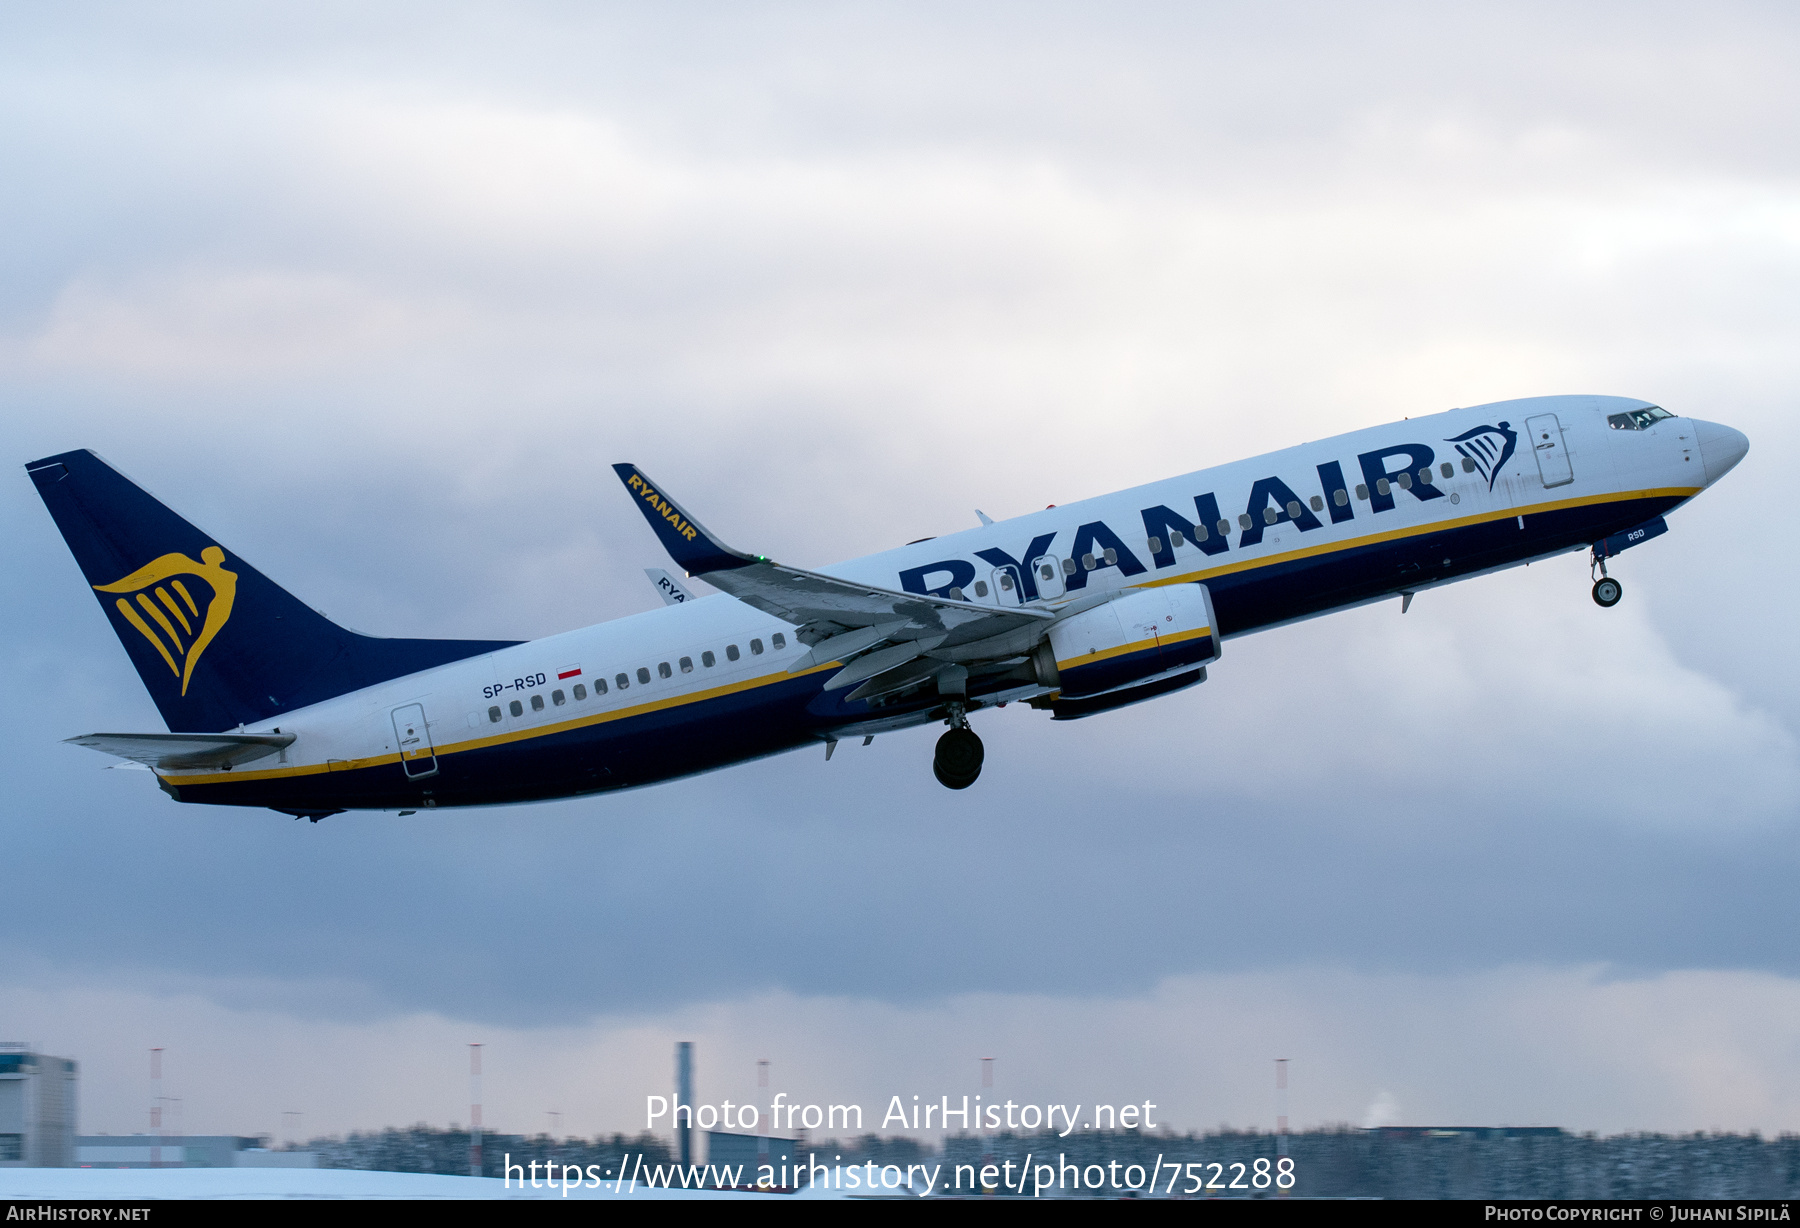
{"points": [[1607, 590]]}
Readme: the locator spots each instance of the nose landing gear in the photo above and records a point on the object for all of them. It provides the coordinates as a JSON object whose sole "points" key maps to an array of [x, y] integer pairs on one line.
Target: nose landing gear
{"points": [[1607, 590], [957, 762]]}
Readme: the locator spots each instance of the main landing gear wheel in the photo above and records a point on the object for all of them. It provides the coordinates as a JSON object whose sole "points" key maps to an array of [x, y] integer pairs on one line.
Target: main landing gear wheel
{"points": [[958, 759]]}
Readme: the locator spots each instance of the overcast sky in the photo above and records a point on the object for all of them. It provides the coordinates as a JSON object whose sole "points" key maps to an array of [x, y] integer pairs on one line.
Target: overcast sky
{"points": [[377, 298]]}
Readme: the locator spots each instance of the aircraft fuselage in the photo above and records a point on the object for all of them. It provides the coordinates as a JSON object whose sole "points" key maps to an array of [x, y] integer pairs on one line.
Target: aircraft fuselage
{"points": [[685, 688]]}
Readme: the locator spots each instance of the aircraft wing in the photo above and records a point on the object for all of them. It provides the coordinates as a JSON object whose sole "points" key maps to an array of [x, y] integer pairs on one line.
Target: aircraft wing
{"points": [[175, 751], [671, 590], [826, 607]]}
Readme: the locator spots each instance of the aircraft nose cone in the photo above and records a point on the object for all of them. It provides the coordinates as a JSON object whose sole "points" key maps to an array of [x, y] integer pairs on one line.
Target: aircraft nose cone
{"points": [[1721, 448]]}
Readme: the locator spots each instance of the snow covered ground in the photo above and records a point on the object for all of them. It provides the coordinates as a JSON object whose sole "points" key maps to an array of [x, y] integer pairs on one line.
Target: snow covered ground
{"points": [[132, 1183]]}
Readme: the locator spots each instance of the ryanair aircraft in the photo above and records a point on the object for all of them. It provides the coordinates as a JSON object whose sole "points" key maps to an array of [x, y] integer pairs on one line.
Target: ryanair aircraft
{"points": [[1073, 611]]}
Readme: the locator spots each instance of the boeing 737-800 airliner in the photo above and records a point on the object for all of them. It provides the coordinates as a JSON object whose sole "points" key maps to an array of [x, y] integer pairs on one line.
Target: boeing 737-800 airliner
{"points": [[1074, 610]]}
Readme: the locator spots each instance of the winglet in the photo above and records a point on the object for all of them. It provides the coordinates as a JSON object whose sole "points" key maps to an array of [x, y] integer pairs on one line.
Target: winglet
{"points": [[694, 549], [671, 590]]}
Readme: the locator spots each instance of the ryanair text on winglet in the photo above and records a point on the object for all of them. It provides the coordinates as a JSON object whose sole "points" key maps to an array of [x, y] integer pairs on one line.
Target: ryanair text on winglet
{"points": [[662, 505]]}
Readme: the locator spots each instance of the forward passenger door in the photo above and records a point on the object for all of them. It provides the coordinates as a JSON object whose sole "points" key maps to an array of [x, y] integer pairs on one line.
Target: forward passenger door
{"points": [[1552, 454]]}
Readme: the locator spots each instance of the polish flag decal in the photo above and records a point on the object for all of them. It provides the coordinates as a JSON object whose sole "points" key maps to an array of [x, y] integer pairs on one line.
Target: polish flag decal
{"points": [[568, 671]]}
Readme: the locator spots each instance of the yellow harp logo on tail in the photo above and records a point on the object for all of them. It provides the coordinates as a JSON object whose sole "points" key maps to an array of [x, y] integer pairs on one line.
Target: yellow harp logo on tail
{"points": [[164, 610]]}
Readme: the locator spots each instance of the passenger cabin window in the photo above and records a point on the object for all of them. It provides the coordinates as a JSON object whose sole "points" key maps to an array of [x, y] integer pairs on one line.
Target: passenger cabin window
{"points": [[1425, 476], [516, 708], [1294, 508], [1156, 545], [558, 698], [1006, 584], [1468, 465], [1112, 557], [494, 715], [537, 703], [599, 686], [1318, 503], [1175, 538], [980, 591], [581, 691], [623, 680], [687, 665], [731, 652], [1382, 486], [1088, 562], [1447, 469], [780, 640], [663, 670], [707, 659], [643, 674], [756, 648], [1224, 528], [1068, 566], [1270, 515], [1405, 481], [1638, 419], [1244, 522], [956, 594], [1340, 497]]}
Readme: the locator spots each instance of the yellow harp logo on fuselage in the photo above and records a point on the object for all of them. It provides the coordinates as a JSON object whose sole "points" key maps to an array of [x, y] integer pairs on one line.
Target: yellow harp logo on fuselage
{"points": [[170, 608]]}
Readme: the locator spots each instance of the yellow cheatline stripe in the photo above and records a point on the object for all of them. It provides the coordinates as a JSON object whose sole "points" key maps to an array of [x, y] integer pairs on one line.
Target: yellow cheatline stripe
{"points": [[500, 739], [131, 617], [1416, 531], [521, 735], [165, 624], [1106, 654], [182, 589], [162, 595]]}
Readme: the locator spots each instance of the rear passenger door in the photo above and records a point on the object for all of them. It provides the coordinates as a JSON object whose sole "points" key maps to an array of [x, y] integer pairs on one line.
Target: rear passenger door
{"points": [[418, 758]]}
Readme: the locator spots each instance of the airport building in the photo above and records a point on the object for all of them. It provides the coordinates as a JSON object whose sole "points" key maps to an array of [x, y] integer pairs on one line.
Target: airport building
{"points": [[750, 1150], [184, 1151], [37, 1109]]}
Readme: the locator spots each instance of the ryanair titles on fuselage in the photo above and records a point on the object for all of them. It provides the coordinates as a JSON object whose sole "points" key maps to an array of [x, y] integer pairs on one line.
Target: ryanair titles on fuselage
{"points": [[1385, 472]]}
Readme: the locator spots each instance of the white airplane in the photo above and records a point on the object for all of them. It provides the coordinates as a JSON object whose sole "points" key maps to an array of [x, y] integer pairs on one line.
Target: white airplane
{"points": [[1073, 610]]}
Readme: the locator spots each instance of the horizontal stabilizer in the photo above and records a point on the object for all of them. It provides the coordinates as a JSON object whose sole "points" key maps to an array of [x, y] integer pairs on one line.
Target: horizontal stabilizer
{"points": [[168, 752]]}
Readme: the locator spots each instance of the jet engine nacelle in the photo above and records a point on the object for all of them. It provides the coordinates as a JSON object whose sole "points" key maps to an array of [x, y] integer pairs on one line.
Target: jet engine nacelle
{"points": [[1146, 635]]}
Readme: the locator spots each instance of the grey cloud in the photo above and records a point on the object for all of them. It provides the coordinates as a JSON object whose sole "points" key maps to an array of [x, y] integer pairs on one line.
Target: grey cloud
{"points": [[381, 329]]}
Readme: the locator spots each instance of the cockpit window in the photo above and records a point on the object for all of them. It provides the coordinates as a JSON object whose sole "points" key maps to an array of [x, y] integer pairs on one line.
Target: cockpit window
{"points": [[1638, 419]]}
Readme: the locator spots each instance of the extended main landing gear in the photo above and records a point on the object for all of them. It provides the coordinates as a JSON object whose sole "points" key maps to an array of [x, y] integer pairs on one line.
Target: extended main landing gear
{"points": [[1607, 590], [957, 762]]}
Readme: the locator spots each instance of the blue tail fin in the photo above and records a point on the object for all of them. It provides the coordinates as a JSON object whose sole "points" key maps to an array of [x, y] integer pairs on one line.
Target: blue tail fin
{"points": [[217, 643]]}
